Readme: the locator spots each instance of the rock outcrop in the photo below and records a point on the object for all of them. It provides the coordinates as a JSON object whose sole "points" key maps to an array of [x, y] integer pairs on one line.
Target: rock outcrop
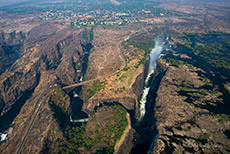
{"points": [[45, 125], [59, 51], [186, 127], [105, 61], [128, 102], [49, 59], [138, 85]]}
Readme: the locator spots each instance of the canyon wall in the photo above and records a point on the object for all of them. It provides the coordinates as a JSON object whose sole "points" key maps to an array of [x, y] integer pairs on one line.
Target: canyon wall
{"points": [[60, 52], [138, 85], [183, 126], [46, 63], [124, 145]]}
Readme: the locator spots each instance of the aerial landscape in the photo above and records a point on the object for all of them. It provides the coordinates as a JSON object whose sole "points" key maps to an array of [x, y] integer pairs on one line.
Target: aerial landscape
{"points": [[114, 76]]}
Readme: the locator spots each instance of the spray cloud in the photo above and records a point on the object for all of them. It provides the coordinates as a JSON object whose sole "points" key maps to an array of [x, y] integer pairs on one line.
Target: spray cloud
{"points": [[156, 52], [154, 55]]}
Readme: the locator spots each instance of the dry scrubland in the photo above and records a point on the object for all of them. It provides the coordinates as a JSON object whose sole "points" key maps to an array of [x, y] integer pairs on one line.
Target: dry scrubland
{"points": [[46, 55]]}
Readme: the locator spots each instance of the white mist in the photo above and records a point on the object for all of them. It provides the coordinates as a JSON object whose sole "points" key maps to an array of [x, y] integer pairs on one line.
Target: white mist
{"points": [[155, 54]]}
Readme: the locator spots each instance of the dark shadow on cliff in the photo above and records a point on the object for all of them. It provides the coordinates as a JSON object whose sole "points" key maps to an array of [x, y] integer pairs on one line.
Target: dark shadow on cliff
{"points": [[60, 116], [9, 117], [218, 76], [146, 128], [131, 112]]}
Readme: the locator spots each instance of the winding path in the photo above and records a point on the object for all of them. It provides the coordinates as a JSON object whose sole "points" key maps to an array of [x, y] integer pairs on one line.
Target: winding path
{"points": [[101, 77], [18, 151]]}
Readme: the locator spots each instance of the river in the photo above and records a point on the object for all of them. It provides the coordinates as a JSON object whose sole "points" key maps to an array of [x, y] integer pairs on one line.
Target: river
{"points": [[155, 54], [8, 118], [77, 113], [146, 125], [77, 102]]}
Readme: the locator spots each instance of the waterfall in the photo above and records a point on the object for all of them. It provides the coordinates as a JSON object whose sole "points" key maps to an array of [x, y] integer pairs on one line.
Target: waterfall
{"points": [[143, 101], [155, 54], [81, 78]]}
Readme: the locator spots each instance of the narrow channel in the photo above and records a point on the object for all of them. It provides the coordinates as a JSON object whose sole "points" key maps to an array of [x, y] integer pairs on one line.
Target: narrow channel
{"points": [[8, 118], [145, 127], [76, 101]]}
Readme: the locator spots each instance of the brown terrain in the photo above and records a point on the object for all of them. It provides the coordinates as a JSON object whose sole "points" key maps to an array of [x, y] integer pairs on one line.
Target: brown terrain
{"points": [[99, 129], [107, 58], [45, 57], [182, 126]]}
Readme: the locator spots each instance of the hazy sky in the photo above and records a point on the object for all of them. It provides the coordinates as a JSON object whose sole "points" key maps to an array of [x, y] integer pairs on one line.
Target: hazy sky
{"points": [[7, 2]]}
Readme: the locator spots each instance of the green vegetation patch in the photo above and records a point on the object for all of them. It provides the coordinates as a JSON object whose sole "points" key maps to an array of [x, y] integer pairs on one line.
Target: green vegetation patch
{"points": [[73, 139], [142, 44], [117, 127], [217, 55], [194, 95], [175, 152], [88, 35], [184, 41], [205, 136], [99, 135], [207, 49], [97, 86], [177, 63], [220, 62], [146, 47], [222, 118], [197, 96], [181, 115], [215, 52], [206, 81], [227, 42]]}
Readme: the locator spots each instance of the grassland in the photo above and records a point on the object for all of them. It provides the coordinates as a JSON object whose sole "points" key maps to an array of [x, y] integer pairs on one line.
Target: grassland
{"points": [[99, 135]]}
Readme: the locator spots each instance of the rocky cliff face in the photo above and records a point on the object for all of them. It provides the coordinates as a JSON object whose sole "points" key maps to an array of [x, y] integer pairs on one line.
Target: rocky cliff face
{"points": [[128, 102], [129, 98], [138, 85], [14, 84], [187, 127], [11, 46], [145, 131], [53, 52], [46, 129], [124, 145], [48, 59], [9, 54]]}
